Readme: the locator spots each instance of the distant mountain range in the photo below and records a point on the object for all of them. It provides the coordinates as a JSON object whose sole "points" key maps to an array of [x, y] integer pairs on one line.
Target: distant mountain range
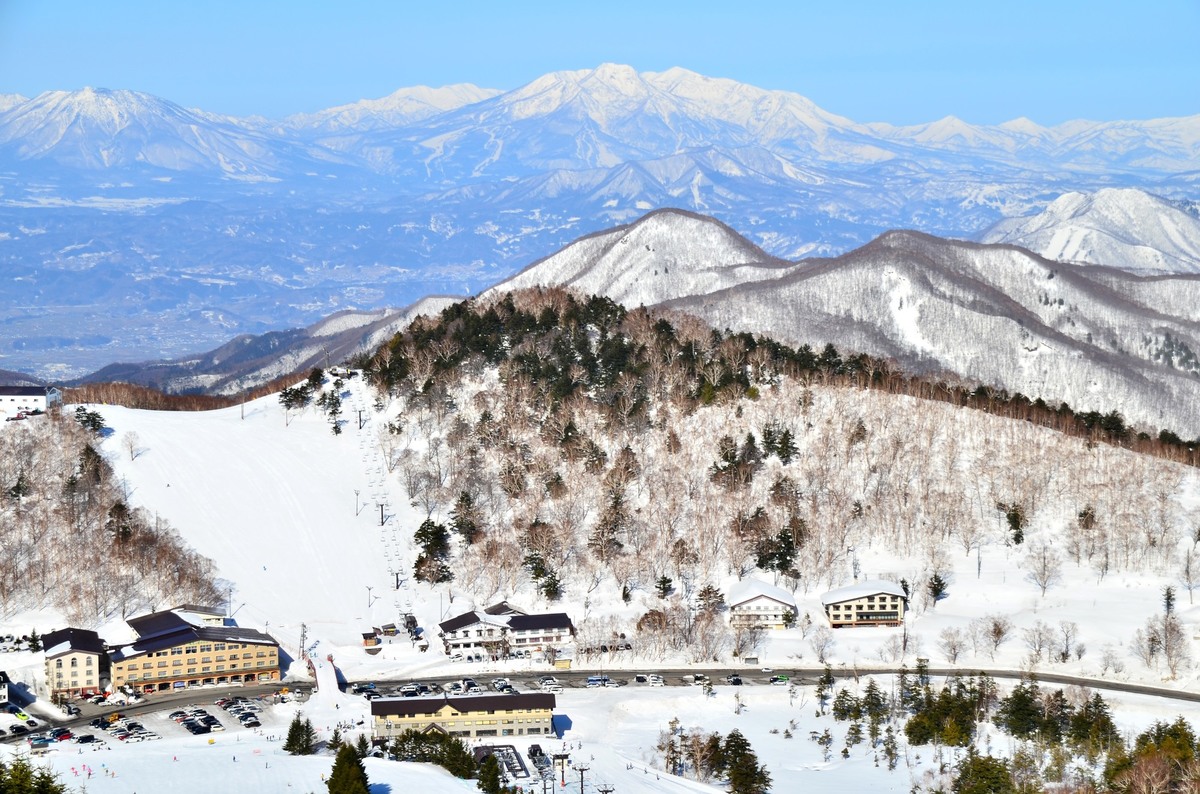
{"points": [[1124, 228], [133, 228], [1096, 337]]}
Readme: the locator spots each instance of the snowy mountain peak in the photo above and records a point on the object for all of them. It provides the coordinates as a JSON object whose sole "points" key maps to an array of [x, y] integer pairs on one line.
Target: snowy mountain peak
{"points": [[403, 106], [1025, 127], [11, 100], [1122, 227], [665, 255]]}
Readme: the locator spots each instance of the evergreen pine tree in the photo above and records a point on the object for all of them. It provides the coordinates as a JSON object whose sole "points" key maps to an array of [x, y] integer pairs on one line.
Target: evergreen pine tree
{"points": [[362, 747], [295, 736], [335, 740], [744, 774], [489, 776], [457, 759], [300, 737], [348, 775], [19, 777]]}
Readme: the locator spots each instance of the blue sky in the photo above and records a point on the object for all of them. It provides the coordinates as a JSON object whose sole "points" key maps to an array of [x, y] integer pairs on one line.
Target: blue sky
{"points": [[868, 60]]}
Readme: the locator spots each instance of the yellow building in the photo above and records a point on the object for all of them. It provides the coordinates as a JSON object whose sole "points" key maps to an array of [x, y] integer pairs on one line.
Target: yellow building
{"points": [[76, 663], [188, 646], [469, 716]]}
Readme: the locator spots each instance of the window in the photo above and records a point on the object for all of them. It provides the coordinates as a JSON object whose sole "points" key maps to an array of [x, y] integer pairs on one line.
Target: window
{"points": [[74, 662], [58, 663], [220, 646], [89, 661]]}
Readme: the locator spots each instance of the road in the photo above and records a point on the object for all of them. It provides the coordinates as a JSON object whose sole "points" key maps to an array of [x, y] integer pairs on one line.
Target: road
{"points": [[683, 676]]}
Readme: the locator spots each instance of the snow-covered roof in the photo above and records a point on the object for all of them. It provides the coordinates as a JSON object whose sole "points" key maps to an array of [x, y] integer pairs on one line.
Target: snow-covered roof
{"points": [[470, 619], [864, 588], [749, 589], [63, 641]]}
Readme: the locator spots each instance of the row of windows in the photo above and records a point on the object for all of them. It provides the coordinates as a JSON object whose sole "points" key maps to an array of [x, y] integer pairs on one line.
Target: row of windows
{"points": [[203, 660], [58, 663]]}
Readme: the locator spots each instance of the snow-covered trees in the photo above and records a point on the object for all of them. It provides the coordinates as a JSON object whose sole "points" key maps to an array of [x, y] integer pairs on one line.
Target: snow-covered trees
{"points": [[594, 452], [58, 495]]}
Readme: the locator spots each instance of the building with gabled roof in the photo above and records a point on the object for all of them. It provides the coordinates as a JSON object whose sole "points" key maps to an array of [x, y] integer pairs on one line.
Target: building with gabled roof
{"points": [[187, 646], [469, 716], [498, 634], [871, 602], [754, 603], [27, 399], [76, 663]]}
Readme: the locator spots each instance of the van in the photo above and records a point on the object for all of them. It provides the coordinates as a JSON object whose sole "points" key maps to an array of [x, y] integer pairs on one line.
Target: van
{"points": [[594, 681]]}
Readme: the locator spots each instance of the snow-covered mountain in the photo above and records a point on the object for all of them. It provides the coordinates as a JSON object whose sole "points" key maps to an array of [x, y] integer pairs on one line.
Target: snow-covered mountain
{"points": [[1121, 227], [95, 129], [397, 109], [249, 361], [666, 255], [1097, 338], [448, 190]]}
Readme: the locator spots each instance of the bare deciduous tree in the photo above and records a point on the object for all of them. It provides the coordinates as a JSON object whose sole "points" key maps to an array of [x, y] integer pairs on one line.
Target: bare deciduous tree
{"points": [[822, 642], [952, 641], [1044, 566]]}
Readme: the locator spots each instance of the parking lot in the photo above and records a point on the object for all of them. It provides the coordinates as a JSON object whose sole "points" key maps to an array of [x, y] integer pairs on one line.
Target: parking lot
{"points": [[175, 715]]}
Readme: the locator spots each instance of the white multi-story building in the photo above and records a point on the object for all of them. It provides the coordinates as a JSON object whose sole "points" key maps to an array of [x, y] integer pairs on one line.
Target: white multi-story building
{"points": [[498, 634], [76, 662], [757, 604], [27, 399], [872, 602]]}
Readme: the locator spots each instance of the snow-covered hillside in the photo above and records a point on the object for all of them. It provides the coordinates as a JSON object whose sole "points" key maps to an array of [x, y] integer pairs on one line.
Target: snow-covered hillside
{"points": [[101, 129], [403, 106], [1125, 228], [663, 256], [1097, 338]]}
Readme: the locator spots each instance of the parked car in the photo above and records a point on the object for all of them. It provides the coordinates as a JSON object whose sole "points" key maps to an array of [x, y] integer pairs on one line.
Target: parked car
{"points": [[251, 724]]}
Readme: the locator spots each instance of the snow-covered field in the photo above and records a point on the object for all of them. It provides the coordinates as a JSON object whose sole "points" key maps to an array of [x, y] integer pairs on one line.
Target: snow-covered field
{"points": [[291, 516], [613, 732]]}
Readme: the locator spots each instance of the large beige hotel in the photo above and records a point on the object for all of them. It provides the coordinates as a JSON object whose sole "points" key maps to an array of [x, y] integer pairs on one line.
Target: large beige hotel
{"points": [[527, 714], [183, 647]]}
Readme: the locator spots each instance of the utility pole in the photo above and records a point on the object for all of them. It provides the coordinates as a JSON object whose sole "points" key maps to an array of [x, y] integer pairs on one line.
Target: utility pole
{"points": [[360, 419], [369, 601], [356, 509], [380, 506], [604, 788], [581, 769]]}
